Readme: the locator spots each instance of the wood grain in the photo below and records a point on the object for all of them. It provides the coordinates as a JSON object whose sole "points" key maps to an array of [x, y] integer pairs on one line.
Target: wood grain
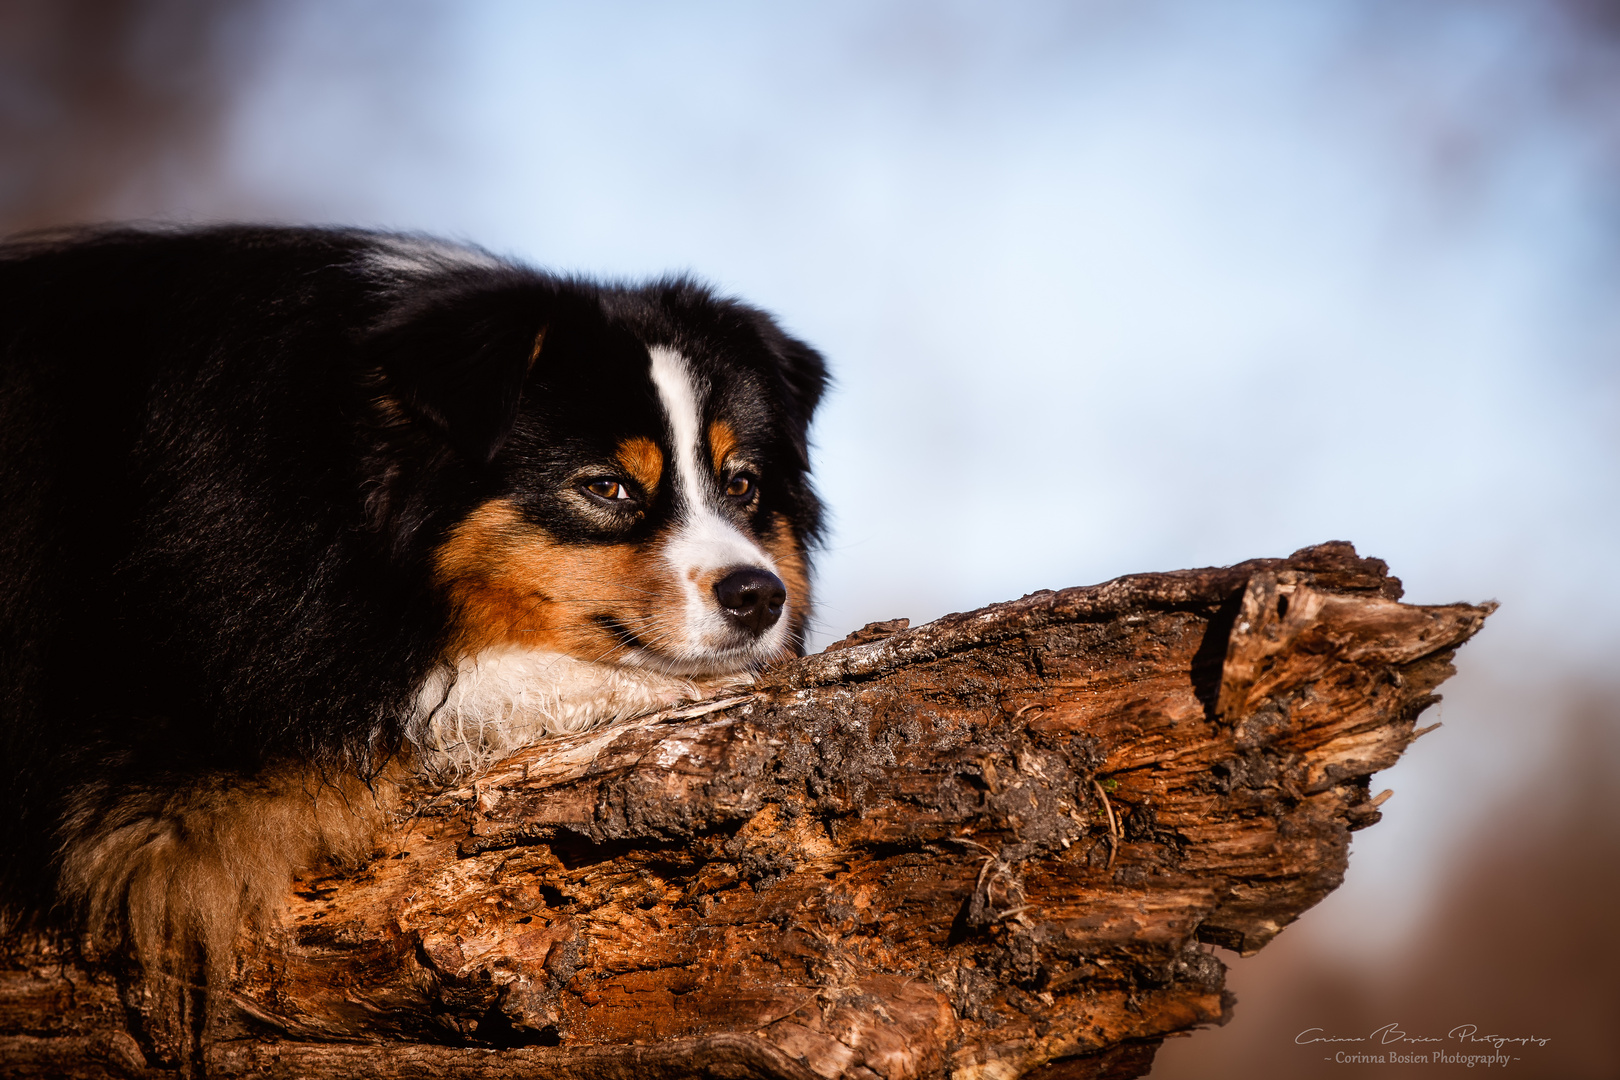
{"points": [[998, 845]]}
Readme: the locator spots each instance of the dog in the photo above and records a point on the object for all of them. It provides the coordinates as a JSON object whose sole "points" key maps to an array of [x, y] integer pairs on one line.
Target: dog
{"points": [[289, 511]]}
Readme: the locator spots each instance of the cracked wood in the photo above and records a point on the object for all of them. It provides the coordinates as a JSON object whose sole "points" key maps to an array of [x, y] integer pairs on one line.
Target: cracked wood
{"points": [[1000, 844]]}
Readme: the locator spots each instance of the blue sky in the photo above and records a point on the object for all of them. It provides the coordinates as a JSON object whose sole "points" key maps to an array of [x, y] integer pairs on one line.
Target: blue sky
{"points": [[1105, 287]]}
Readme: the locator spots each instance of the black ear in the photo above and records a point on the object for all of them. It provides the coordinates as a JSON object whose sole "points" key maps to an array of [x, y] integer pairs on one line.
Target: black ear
{"points": [[800, 375], [457, 357]]}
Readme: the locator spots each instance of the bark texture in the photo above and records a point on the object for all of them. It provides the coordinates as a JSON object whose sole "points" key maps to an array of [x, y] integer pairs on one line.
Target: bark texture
{"points": [[997, 845]]}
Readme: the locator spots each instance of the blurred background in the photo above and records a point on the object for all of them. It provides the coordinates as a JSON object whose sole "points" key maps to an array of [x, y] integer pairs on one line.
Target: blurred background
{"points": [[1106, 287]]}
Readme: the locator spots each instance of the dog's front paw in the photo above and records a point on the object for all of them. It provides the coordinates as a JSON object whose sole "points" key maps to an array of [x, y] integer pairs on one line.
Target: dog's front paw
{"points": [[162, 879]]}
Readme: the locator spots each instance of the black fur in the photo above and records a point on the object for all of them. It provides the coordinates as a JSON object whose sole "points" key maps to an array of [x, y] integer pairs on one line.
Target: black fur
{"points": [[227, 455]]}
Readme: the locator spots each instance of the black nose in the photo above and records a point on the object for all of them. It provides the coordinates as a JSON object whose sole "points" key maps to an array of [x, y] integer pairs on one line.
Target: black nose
{"points": [[752, 596]]}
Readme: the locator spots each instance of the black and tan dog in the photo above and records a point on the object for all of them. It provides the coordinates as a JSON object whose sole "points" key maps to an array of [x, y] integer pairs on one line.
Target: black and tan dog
{"points": [[283, 508]]}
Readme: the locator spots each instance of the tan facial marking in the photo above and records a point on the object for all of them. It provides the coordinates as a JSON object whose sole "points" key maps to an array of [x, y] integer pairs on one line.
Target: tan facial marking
{"points": [[508, 582], [722, 443], [643, 461], [793, 569]]}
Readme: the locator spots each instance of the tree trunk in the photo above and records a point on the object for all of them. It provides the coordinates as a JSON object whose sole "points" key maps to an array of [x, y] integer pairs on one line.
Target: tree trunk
{"points": [[997, 845]]}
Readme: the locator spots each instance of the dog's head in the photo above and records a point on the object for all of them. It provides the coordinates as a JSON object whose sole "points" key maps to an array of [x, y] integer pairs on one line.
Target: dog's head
{"points": [[626, 468]]}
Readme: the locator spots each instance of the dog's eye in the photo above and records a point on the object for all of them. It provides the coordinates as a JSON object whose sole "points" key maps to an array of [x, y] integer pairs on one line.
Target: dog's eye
{"points": [[609, 489], [740, 486]]}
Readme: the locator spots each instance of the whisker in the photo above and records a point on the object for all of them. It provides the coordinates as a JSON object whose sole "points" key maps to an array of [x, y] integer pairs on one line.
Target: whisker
{"points": [[627, 620], [652, 642], [592, 599]]}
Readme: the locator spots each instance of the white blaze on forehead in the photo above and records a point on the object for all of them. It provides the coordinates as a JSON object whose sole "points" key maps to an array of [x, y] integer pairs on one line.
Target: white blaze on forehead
{"points": [[681, 396], [705, 540]]}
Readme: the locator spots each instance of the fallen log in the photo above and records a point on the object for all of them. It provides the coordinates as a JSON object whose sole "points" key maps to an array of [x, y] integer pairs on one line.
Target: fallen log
{"points": [[996, 845]]}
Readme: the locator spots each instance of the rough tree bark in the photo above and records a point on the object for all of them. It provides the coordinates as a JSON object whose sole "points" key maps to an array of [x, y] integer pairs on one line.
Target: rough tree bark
{"points": [[997, 845]]}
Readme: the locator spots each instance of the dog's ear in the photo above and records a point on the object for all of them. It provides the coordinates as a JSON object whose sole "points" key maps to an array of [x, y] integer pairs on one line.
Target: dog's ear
{"points": [[457, 359], [801, 379]]}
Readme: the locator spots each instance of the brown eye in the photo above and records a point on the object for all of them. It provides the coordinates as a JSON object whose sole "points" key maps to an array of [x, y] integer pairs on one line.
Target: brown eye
{"points": [[741, 486], [607, 488]]}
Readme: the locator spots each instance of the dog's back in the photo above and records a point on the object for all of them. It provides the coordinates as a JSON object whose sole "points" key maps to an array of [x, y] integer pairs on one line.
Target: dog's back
{"points": [[173, 489]]}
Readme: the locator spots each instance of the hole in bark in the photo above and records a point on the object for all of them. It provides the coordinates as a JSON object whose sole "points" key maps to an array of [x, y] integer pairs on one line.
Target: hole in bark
{"points": [[893, 849], [1210, 659], [495, 1029], [961, 929], [575, 851], [1282, 607]]}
